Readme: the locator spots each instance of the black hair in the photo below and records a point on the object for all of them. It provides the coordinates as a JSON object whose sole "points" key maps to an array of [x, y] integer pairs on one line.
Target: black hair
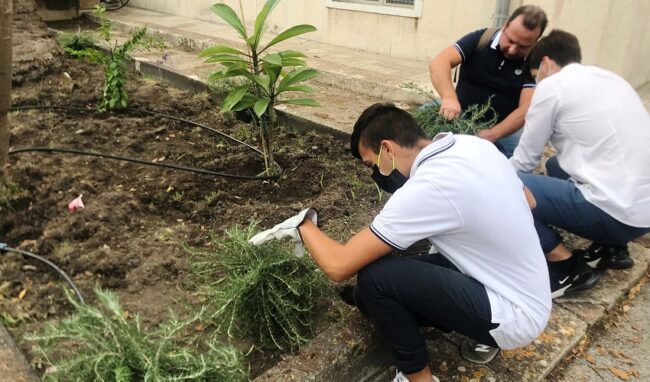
{"points": [[560, 46], [382, 121], [534, 17]]}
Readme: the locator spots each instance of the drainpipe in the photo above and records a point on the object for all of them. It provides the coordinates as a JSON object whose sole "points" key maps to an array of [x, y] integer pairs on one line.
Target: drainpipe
{"points": [[501, 13]]}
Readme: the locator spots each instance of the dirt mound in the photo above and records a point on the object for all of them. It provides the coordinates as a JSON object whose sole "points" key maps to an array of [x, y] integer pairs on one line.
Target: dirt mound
{"points": [[35, 52]]}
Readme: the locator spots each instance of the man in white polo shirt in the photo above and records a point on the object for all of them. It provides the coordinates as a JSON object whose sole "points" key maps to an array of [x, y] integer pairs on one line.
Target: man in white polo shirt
{"points": [[599, 183], [459, 193]]}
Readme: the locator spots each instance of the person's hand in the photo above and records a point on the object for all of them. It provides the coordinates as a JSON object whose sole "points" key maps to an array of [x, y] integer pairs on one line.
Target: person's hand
{"points": [[450, 108], [288, 229], [488, 134]]}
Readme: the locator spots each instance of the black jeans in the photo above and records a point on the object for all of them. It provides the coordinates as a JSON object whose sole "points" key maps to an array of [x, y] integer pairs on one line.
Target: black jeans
{"points": [[400, 294]]}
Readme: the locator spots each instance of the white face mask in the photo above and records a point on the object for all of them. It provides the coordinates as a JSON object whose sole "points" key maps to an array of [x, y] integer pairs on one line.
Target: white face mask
{"points": [[539, 71]]}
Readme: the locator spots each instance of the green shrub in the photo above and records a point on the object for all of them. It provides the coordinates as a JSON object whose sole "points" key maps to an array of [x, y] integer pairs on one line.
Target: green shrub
{"points": [[73, 44], [472, 120], [103, 344], [261, 291]]}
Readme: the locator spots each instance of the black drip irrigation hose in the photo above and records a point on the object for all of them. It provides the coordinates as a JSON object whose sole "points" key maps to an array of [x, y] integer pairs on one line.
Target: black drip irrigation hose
{"points": [[110, 7], [140, 161], [4, 247]]}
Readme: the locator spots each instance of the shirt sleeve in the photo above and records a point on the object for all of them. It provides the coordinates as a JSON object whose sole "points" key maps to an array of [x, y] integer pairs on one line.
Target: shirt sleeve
{"points": [[529, 81], [538, 128], [417, 211], [466, 46]]}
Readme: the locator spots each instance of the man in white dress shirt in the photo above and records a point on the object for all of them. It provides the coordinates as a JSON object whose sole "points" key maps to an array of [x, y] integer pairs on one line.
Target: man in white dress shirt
{"points": [[598, 185]]}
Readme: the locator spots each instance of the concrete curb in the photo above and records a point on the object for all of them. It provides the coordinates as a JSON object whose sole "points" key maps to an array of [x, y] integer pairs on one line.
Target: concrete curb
{"points": [[13, 365]]}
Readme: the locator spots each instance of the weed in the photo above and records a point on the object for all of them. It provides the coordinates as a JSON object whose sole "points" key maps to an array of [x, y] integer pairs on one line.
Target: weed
{"points": [[213, 197], [475, 118], [73, 43], [418, 89], [104, 344], [9, 192], [261, 291]]}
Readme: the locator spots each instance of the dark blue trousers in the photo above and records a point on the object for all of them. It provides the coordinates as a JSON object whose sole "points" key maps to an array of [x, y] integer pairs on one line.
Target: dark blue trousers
{"points": [[400, 294]]}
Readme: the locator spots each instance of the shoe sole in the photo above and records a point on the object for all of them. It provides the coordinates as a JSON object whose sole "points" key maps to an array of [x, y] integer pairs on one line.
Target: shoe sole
{"points": [[617, 265], [586, 285], [560, 292], [569, 289]]}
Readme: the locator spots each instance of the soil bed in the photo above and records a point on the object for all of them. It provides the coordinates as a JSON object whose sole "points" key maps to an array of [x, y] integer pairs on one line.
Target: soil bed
{"points": [[130, 236]]}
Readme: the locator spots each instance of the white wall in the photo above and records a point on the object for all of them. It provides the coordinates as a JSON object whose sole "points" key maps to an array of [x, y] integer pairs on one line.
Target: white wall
{"points": [[614, 34]]}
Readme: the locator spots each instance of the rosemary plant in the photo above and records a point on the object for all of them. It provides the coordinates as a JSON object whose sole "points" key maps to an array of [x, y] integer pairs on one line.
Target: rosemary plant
{"points": [[261, 291], [104, 344], [475, 118]]}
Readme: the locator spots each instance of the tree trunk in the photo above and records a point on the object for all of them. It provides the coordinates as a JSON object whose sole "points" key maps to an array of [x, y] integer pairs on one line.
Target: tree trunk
{"points": [[6, 21]]}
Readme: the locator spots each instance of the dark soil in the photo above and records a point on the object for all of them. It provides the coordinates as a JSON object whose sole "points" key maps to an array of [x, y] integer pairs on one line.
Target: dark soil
{"points": [[136, 220]]}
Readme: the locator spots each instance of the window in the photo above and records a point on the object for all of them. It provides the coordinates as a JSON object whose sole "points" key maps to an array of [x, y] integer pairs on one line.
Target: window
{"points": [[407, 8]]}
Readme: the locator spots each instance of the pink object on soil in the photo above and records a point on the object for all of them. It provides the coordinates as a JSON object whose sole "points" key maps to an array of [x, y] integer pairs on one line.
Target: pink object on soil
{"points": [[75, 204]]}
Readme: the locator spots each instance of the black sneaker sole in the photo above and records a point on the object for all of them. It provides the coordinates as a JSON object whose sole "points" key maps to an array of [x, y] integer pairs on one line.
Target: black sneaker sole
{"points": [[622, 263], [588, 284]]}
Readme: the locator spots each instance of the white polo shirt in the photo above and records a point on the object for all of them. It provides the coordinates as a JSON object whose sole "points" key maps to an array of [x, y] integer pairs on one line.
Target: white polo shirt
{"points": [[465, 198], [601, 131]]}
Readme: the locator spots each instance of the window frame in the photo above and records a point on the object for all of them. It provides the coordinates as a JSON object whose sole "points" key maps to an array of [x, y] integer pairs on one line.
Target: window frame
{"points": [[385, 9]]}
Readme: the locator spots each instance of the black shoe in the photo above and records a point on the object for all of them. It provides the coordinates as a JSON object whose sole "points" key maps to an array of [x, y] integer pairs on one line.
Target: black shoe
{"points": [[603, 256], [580, 276], [478, 353]]}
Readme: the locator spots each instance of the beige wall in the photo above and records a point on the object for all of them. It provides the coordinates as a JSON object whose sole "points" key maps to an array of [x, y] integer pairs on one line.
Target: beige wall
{"points": [[614, 34]]}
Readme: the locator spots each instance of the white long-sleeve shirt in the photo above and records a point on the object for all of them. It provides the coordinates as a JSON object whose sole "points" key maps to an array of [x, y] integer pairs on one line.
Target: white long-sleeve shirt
{"points": [[601, 131]]}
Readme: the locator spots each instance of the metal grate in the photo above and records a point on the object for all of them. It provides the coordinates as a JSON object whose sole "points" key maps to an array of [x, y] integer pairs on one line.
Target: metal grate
{"points": [[390, 3]]}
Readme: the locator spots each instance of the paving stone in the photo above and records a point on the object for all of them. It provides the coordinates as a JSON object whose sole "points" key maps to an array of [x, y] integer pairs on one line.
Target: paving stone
{"points": [[13, 366], [639, 250], [588, 312], [644, 240], [535, 361]]}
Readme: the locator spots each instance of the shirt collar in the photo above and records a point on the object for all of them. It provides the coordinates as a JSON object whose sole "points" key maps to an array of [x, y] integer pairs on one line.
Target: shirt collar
{"points": [[441, 142], [495, 40]]}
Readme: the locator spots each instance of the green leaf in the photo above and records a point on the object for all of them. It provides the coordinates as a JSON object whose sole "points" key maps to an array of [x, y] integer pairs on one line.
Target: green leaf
{"points": [[261, 106], [293, 62], [291, 54], [225, 58], [233, 97], [219, 49], [245, 103], [273, 58], [272, 71], [301, 101], [291, 32], [296, 76], [299, 88], [260, 20], [229, 16], [264, 81]]}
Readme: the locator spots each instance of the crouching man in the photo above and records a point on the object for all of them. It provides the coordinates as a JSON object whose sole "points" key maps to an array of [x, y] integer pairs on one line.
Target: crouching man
{"points": [[489, 281], [598, 185]]}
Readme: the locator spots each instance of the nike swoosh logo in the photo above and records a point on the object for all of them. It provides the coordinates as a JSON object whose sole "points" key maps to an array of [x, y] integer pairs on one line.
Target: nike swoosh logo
{"points": [[564, 280]]}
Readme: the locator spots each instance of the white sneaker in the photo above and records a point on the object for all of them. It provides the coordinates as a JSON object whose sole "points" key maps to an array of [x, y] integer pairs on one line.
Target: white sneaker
{"points": [[399, 377]]}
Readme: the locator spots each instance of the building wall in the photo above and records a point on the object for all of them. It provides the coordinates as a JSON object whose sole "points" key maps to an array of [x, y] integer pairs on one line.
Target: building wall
{"points": [[614, 34]]}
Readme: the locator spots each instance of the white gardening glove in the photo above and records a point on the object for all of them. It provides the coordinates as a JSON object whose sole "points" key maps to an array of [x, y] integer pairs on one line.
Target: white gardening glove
{"points": [[288, 229]]}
